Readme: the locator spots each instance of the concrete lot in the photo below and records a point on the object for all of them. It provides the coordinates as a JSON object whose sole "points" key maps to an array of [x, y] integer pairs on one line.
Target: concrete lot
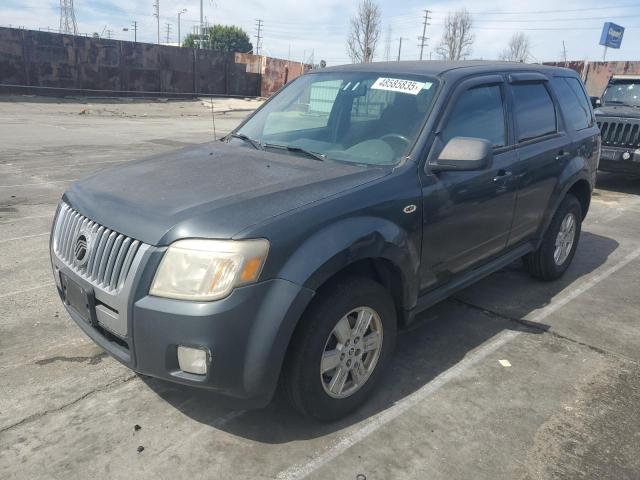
{"points": [[568, 407]]}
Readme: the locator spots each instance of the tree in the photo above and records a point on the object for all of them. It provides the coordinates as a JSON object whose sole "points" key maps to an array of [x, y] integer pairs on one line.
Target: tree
{"points": [[457, 38], [364, 32], [518, 49], [223, 38]]}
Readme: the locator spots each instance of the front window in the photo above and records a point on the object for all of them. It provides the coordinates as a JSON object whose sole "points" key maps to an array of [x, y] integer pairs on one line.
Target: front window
{"points": [[364, 118], [623, 92]]}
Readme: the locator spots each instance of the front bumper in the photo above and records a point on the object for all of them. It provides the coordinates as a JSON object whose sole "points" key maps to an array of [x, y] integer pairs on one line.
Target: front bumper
{"points": [[620, 160], [247, 332]]}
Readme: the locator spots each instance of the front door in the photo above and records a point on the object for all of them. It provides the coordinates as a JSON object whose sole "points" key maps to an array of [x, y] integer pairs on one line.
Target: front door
{"points": [[468, 214]]}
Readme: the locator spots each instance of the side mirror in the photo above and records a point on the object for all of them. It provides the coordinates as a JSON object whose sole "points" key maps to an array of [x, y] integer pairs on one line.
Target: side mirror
{"points": [[596, 102], [464, 153]]}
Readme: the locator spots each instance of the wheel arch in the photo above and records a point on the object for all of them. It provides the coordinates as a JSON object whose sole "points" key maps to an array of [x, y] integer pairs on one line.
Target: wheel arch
{"points": [[581, 189], [576, 184], [368, 246]]}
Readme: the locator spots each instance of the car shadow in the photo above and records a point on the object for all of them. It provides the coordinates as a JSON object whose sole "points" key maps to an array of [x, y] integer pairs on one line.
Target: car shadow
{"points": [[439, 339], [618, 182]]}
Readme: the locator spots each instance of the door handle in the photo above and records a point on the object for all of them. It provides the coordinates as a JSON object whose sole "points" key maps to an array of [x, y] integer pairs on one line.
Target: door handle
{"points": [[562, 154], [502, 174]]}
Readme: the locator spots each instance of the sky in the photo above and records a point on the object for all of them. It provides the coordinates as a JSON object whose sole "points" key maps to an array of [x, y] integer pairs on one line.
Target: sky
{"points": [[298, 29]]}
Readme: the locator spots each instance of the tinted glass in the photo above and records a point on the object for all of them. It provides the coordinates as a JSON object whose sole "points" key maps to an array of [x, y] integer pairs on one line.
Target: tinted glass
{"points": [[364, 118], [534, 111], [478, 113], [577, 117], [576, 86]]}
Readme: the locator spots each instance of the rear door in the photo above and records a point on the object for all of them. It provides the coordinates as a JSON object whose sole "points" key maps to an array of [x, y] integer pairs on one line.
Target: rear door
{"points": [[468, 214], [578, 117], [543, 150]]}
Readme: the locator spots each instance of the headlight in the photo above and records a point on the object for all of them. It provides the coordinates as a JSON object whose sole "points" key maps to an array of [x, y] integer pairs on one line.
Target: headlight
{"points": [[197, 269]]}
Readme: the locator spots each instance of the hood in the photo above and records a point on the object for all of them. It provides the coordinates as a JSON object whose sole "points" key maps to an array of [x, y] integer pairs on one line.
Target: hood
{"points": [[618, 111], [214, 190]]}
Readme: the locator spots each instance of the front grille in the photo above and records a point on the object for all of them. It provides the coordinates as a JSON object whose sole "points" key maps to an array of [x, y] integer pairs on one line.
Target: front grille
{"points": [[109, 253], [620, 134]]}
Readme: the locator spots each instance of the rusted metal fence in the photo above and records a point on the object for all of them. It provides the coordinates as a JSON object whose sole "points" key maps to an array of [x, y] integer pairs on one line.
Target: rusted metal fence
{"points": [[596, 75]]}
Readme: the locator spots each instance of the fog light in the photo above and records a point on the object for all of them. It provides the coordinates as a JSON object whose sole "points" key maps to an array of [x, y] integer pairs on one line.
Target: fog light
{"points": [[192, 360]]}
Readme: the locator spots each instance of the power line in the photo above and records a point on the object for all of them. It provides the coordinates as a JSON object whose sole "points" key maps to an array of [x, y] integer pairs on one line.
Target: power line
{"points": [[259, 24], [387, 44], [423, 39], [68, 17], [536, 12]]}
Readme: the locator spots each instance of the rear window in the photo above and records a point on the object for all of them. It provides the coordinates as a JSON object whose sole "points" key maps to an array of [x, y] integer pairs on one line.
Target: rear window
{"points": [[574, 107], [534, 111], [576, 86]]}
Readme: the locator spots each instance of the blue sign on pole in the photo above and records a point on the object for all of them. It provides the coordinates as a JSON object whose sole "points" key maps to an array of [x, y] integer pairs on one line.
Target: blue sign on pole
{"points": [[611, 35]]}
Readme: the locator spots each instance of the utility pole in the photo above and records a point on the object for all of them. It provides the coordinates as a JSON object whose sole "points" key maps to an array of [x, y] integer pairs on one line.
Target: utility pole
{"points": [[399, 48], [201, 27], [168, 31], [564, 53], [180, 13], [134, 24], [156, 14], [109, 33], [423, 39], [259, 24]]}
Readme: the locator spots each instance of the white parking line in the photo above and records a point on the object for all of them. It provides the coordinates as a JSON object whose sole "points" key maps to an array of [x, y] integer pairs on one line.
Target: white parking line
{"points": [[543, 313], [22, 238], [36, 184], [17, 219], [17, 292], [337, 448]]}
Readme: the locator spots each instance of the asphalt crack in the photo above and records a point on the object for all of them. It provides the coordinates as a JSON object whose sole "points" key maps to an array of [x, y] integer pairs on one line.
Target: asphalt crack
{"points": [[61, 408], [543, 329], [91, 360]]}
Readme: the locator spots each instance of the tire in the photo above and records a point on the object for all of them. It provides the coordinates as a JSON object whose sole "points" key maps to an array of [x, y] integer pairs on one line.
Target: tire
{"points": [[545, 263], [309, 390]]}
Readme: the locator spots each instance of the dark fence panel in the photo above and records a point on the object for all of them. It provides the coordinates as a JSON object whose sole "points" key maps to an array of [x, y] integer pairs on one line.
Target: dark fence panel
{"points": [[54, 64]]}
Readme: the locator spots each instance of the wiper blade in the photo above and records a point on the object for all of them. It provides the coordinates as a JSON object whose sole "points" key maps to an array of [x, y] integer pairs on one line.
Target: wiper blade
{"points": [[291, 148], [255, 144]]}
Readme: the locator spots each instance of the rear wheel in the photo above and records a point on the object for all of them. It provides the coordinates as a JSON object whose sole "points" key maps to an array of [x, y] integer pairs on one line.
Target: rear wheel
{"points": [[341, 348], [559, 243]]}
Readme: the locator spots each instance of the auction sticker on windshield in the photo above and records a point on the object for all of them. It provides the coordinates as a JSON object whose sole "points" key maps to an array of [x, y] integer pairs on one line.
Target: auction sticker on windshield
{"points": [[399, 85]]}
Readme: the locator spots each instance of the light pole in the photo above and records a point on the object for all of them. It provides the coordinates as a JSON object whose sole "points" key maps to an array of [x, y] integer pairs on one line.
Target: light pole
{"points": [[184, 10]]}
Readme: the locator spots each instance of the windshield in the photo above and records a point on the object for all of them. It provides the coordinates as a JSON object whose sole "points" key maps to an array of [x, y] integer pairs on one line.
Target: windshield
{"points": [[623, 93], [364, 118]]}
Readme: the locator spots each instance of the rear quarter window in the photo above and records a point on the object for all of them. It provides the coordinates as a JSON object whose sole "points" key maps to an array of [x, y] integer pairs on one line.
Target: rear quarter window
{"points": [[534, 111], [573, 102]]}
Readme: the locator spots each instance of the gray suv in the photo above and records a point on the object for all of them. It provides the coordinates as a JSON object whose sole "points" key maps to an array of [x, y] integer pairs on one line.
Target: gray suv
{"points": [[291, 252]]}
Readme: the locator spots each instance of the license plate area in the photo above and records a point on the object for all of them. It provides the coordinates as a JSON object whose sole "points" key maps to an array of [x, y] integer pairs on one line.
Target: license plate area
{"points": [[79, 298], [607, 154]]}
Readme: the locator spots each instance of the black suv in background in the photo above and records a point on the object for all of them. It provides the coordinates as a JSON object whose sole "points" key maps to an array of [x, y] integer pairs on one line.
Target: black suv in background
{"points": [[618, 116], [355, 198]]}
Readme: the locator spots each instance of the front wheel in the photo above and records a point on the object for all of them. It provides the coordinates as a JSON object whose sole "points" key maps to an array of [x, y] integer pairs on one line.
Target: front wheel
{"points": [[341, 348], [559, 243]]}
